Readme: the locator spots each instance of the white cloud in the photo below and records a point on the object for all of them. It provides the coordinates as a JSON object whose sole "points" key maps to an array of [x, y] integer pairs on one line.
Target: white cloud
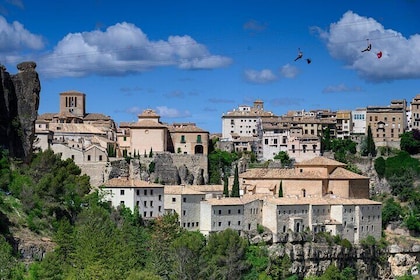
{"points": [[14, 37], [289, 71], [166, 112], [133, 110], [346, 39], [124, 48], [260, 77]]}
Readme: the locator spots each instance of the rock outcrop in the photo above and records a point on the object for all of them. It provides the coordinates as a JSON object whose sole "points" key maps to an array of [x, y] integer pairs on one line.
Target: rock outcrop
{"points": [[19, 102]]}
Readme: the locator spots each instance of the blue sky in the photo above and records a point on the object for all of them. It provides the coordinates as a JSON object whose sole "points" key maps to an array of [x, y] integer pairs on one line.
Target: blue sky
{"points": [[191, 61]]}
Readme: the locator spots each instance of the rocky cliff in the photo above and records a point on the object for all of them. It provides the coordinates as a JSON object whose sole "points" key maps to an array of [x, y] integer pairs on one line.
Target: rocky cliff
{"points": [[19, 102]]}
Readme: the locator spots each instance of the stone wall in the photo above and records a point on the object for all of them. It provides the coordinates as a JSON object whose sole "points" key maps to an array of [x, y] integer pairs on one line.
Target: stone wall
{"points": [[170, 169]]}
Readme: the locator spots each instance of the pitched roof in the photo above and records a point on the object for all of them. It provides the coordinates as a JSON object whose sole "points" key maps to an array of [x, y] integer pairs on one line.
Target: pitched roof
{"points": [[231, 200], [342, 173], [179, 189], [96, 116], [279, 173], [320, 161], [185, 127], [143, 124], [130, 183]]}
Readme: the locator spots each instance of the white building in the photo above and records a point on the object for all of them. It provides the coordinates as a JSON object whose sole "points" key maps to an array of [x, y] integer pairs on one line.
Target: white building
{"points": [[148, 197], [238, 213], [186, 203], [359, 121], [244, 121]]}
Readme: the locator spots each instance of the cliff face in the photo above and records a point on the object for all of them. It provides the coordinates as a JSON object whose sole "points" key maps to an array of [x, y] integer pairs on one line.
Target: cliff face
{"points": [[19, 102]]}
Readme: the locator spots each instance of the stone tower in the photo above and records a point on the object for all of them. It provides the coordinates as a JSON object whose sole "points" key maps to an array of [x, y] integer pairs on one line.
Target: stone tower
{"points": [[73, 102]]}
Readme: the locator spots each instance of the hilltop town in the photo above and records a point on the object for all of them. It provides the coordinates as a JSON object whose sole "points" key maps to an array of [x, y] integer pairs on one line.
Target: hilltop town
{"points": [[317, 194]]}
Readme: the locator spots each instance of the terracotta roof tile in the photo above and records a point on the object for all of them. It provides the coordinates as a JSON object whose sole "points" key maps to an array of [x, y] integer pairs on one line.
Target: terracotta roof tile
{"points": [[320, 161], [179, 189], [130, 183]]}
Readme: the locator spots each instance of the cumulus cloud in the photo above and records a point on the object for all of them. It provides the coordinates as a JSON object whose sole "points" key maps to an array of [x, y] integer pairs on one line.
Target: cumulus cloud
{"points": [[124, 48], [14, 38], [289, 71], [166, 112], [341, 88], [260, 77], [346, 38]]}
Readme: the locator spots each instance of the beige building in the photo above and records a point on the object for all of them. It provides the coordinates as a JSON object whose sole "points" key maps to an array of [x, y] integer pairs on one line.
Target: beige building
{"points": [[148, 197], [387, 123], [415, 113], [316, 177], [344, 124], [185, 202], [187, 138], [148, 133]]}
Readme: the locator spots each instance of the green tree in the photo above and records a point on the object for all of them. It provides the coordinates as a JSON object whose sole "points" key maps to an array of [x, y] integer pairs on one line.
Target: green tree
{"points": [[380, 166], [326, 140], [391, 211], [187, 250], [219, 160], [281, 189], [258, 259], [151, 153], [225, 184], [165, 230], [284, 158], [369, 147], [410, 142], [235, 186], [224, 257]]}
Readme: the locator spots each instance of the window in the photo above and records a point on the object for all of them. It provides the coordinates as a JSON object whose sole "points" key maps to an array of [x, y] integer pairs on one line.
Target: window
{"points": [[173, 199], [151, 213], [182, 138], [137, 203], [266, 141], [72, 157], [151, 192], [145, 192], [184, 212], [138, 192], [220, 224], [144, 214], [122, 202], [220, 212], [160, 197], [198, 138], [239, 223], [121, 192], [125, 138], [88, 157], [184, 199], [239, 211], [151, 203], [100, 157], [145, 203], [229, 211], [160, 208]]}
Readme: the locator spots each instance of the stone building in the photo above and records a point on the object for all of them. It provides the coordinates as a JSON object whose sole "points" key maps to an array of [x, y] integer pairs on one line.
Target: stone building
{"points": [[387, 123]]}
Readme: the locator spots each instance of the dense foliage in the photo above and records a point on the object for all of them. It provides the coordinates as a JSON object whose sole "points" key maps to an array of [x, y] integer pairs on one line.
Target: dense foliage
{"points": [[410, 141], [220, 160]]}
